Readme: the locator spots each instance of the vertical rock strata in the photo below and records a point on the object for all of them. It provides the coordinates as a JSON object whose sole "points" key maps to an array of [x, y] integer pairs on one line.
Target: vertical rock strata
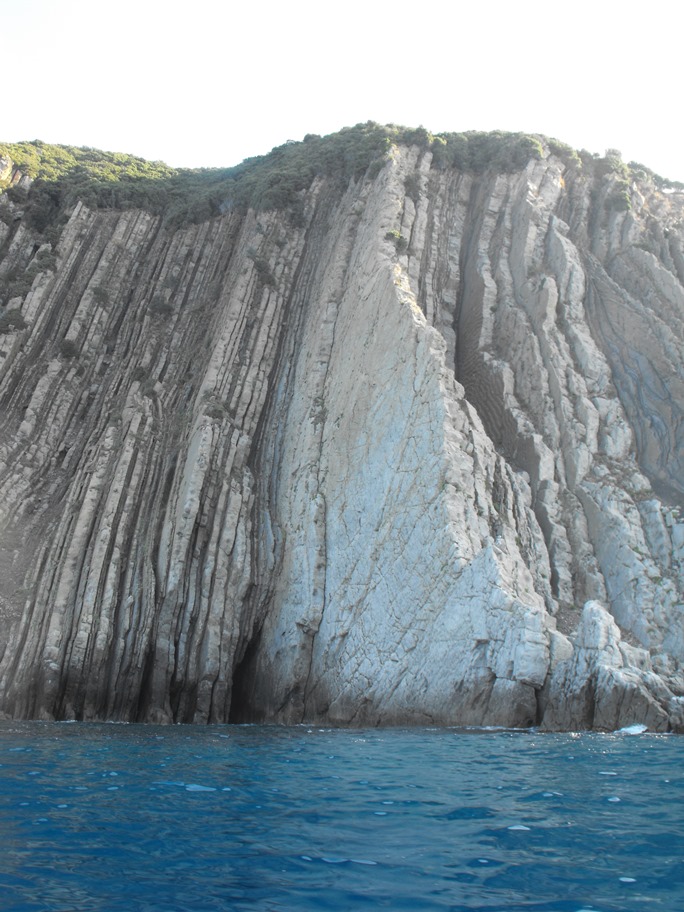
{"points": [[417, 459]]}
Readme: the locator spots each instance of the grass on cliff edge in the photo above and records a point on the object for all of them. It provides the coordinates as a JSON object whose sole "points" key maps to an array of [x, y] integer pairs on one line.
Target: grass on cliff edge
{"points": [[62, 175]]}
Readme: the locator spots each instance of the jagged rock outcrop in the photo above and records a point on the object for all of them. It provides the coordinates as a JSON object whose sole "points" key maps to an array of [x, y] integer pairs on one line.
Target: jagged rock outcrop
{"points": [[363, 466]]}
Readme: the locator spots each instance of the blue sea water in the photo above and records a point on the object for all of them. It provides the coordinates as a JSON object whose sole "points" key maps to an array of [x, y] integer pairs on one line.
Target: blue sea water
{"points": [[145, 818]]}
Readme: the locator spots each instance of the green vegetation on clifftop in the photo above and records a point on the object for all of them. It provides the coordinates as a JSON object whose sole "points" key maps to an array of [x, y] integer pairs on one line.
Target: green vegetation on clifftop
{"points": [[62, 175]]}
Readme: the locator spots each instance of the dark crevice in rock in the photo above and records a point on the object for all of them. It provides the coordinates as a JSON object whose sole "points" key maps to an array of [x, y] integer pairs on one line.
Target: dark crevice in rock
{"points": [[140, 712], [243, 703]]}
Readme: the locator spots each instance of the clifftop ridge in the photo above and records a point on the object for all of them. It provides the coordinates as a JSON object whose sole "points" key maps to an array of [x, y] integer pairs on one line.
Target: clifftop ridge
{"points": [[59, 176]]}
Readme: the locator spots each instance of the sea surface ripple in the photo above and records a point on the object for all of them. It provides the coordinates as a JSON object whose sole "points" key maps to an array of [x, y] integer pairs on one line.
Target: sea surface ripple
{"points": [[199, 819]]}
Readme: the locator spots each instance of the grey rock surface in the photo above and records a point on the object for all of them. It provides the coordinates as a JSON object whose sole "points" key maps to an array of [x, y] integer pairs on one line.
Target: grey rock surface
{"points": [[252, 471]]}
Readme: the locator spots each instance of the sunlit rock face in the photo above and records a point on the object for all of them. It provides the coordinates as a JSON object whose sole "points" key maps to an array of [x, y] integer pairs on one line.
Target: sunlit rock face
{"points": [[415, 459]]}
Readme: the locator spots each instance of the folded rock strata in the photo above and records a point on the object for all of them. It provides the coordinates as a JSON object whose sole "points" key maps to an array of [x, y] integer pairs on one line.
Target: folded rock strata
{"points": [[415, 459]]}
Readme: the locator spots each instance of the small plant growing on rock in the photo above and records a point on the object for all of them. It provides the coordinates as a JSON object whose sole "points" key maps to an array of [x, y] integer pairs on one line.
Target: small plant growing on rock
{"points": [[148, 388], [16, 284], [69, 349], [261, 267], [160, 307], [100, 295], [11, 321], [46, 258], [398, 239], [619, 200], [214, 408]]}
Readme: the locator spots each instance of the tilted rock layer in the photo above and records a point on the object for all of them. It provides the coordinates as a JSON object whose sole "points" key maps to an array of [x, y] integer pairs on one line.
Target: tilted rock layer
{"points": [[415, 460]]}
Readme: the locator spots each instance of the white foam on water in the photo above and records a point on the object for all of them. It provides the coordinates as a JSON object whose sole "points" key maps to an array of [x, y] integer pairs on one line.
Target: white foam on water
{"points": [[363, 861], [628, 880], [199, 788], [518, 826], [483, 860], [606, 773], [613, 798], [306, 858], [334, 859], [637, 729]]}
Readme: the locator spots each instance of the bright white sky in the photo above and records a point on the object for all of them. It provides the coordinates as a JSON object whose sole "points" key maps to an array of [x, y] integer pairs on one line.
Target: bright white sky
{"points": [[208, 83]]}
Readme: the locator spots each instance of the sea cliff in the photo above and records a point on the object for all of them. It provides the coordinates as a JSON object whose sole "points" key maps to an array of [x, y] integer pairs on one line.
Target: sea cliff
{"points": [[402, 447]]}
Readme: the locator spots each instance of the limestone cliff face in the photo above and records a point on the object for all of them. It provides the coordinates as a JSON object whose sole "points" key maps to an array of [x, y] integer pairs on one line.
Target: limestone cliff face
{"points": [[417, 459]]}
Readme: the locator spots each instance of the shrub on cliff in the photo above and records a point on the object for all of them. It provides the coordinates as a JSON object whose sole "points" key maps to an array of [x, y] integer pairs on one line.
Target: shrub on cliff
{"points": [[641, 172], [69, 349], [261, 267], [160, 306], [17, 283], [11, 321], [100, 295], [398, 239], [479, 152], [619, 200]]}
